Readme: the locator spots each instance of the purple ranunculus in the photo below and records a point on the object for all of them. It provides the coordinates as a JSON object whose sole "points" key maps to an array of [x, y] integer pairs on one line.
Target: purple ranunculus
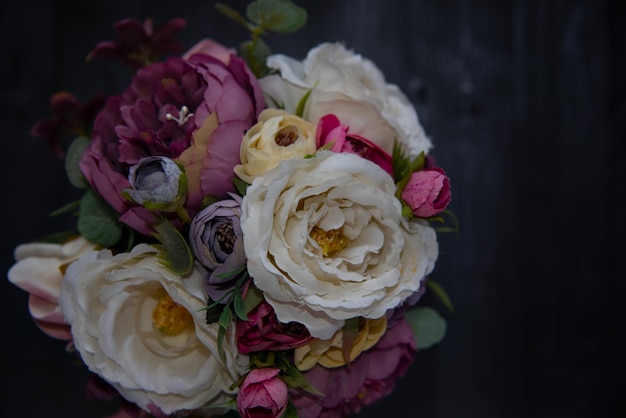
{"points": [[193, 111], [216, 240], [369, 378]]}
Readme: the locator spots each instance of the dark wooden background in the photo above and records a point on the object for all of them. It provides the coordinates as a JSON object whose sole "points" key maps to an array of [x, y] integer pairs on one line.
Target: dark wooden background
{"points": [[525, 102]]}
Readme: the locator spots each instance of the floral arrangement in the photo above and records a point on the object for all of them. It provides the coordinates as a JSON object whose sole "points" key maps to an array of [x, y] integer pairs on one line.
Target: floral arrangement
{"points": [[254, 232]]}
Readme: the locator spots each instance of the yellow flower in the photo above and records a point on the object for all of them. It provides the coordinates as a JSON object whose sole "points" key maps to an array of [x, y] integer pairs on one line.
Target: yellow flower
{"points": [[329, 353]]}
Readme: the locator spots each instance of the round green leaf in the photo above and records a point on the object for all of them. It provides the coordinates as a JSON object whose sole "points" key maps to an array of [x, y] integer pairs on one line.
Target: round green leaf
{"points": [[428, 326], [280, 16], [97, 221]]}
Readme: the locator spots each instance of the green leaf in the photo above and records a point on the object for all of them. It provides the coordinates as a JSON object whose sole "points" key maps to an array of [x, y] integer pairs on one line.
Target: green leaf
{"points": [[428, 326], [175, 253], [72, 162], [239, 307], [439, 291], [208, 201], [70, 207], [98, 222], [241, 186], [224, 322], [282, 16], [58, 237]]}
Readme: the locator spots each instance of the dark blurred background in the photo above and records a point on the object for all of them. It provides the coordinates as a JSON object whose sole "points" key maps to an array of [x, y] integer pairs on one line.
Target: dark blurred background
{"points": [[525, 102]]}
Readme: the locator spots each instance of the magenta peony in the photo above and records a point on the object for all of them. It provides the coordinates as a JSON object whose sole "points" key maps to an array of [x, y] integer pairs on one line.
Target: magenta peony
{"points": [[194, 111], [369, 378], [262, 394]]}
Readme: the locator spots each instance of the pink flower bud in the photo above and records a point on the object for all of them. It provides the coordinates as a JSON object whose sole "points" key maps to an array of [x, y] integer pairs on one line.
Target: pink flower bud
{"points": [[262, 393], [428, 192]]}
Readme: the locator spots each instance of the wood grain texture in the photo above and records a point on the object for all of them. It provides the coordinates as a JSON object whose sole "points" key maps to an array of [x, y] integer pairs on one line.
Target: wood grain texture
{"points": [[525, 102]]}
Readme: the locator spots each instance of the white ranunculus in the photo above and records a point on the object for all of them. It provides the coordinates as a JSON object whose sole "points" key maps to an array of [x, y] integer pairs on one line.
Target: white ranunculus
{"points": [[337, 76], [109, 302], [382, 258]]}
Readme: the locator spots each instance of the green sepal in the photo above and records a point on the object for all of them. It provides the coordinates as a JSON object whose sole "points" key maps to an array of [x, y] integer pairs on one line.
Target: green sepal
{"points": [[349, 336], [302, 103], [72, 162], [175, 253], [98, 222], [439, 291], [252, 299], [428, 326], [208, 200], [241, 186], [407, 212]]}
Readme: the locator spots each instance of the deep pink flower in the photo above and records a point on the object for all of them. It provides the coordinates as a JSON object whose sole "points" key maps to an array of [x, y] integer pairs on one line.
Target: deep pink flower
{"points": [[138, 44], [369, 378], [262, 394], [331, 131], [263, 331], [193, 111], [428, 192], [69, 117]]}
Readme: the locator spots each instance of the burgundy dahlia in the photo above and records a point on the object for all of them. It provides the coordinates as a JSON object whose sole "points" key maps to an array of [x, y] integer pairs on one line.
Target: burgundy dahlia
{"points": [[193, 111]]}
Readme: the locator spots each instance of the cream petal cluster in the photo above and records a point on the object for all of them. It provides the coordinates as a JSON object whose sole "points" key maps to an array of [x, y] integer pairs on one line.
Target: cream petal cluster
{"points": [[351, 87], [109, 301], [374, 259], [277, 136]]}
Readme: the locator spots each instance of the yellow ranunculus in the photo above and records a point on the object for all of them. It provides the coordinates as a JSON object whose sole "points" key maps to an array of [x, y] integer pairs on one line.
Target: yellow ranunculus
{"points": [[277, 136], [329, 353]]}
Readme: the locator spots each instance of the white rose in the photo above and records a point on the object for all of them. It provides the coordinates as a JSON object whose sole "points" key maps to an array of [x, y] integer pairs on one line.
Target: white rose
{"points": [[326, 241], [277, 136], [336, 77], [112, 304]]}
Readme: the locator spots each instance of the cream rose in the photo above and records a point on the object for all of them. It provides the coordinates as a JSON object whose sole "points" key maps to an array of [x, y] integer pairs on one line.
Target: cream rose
{"points": [[277, 136], [326, 241], [351, 87], [39, 271], [142, 329]]}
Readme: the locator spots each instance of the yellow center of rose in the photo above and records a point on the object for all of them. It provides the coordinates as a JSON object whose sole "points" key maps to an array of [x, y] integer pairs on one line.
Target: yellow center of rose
{"points": [[169, 317], [331, 241]]}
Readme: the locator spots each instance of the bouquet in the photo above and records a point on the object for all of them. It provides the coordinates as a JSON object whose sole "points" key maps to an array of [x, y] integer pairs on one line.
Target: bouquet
{"points": [[254, 233]]}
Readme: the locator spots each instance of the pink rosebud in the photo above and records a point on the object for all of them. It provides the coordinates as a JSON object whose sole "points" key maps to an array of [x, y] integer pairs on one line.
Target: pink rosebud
{"points": [[428, 192], [330, 131], [262, 394]]}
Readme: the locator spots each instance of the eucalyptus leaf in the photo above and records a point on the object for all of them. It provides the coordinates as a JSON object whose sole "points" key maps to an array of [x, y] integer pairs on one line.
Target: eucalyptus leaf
{"points": [[428, 326], [175, 252], [98, 222], [72, 162], [282, 16]]}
